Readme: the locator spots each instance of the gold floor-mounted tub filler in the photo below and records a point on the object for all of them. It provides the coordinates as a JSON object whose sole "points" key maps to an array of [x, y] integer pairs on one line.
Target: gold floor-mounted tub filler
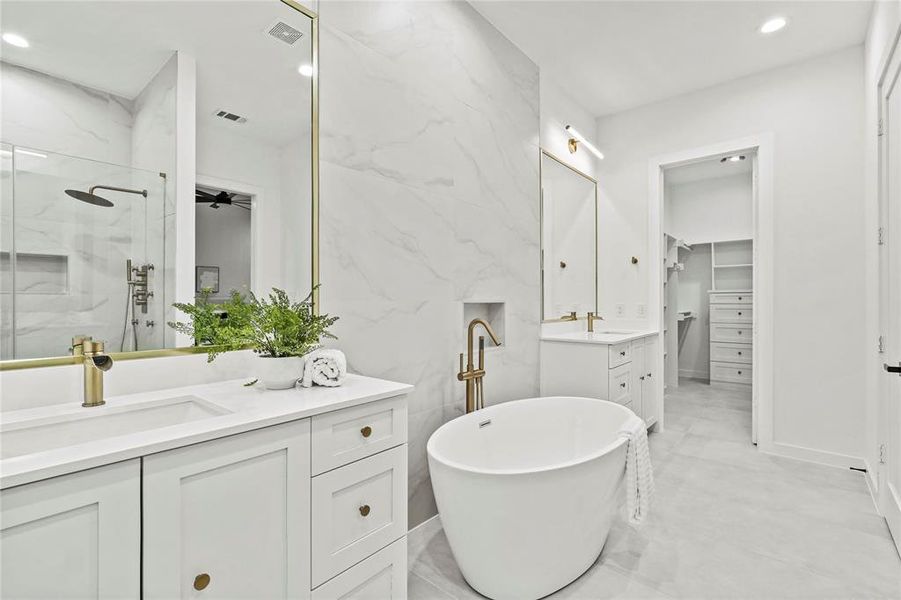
{"points": [[475, 390]]}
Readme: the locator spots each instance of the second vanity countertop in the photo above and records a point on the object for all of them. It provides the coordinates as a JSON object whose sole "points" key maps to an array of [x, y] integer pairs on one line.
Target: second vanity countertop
{"points": [[245, 409], [606, 338]]}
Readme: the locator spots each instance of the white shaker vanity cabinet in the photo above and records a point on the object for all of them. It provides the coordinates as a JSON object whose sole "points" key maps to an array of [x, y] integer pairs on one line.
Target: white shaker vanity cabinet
{"points": [[75, 536], [306, 507], [616, 367]]}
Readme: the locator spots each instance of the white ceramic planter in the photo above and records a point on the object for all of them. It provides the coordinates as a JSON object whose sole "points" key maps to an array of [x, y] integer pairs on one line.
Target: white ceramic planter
{"points": [[279, 373]]}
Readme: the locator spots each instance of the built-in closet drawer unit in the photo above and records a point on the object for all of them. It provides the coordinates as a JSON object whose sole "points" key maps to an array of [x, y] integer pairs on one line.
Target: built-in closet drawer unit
{"points": [[732, 298], [350, 434], [734, 353], [730, 372], [620, 384], [619, 354], [358, 509], [730, 332], [723, 313], [382, 576]]}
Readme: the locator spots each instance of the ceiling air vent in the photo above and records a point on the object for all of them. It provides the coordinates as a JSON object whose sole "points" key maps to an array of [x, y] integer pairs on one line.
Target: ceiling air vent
{"points": [[229, 116], [284, 32]]}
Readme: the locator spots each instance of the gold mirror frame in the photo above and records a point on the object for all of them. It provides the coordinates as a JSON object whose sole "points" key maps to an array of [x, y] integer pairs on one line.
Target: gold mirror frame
{"points": [[54, 361], [594, 181]]}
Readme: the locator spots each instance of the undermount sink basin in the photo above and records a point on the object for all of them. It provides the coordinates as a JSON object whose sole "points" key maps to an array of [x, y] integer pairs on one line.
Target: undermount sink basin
{"points": [[92, 424]]}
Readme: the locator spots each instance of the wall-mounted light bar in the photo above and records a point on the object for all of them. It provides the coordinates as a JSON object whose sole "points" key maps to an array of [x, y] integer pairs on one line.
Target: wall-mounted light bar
{"points": [[577, 138]]}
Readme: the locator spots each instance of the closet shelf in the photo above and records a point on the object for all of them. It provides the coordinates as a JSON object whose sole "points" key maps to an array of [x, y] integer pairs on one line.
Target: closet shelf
{"points": [[732, 266]]}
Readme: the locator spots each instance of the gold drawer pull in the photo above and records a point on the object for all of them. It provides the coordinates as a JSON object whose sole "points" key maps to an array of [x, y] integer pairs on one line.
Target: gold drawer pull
{"points": [[364, 510], [366, 431], [201, 581]]}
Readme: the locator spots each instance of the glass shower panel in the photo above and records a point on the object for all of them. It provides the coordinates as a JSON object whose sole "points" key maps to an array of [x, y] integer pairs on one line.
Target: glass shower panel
{"points": [[7, 340], [70, 256]]}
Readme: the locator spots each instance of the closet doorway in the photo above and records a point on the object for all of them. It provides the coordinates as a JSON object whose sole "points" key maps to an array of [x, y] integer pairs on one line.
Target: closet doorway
{"points": [[707, 227]]}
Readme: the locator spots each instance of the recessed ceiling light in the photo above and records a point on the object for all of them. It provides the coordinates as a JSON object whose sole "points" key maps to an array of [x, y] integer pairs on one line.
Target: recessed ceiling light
{"points": [[733, 158], [773, 25], [16, 40], [305, 70]]}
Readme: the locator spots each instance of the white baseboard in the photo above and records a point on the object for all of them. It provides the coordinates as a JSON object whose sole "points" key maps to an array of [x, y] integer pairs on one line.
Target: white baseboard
{"points": [[870, 476], [693, 374], [426, 522], [822, 457]]}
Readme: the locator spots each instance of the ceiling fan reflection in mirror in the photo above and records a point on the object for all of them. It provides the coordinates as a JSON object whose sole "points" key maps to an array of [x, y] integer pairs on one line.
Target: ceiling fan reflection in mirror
{"points": [[215, 200]]}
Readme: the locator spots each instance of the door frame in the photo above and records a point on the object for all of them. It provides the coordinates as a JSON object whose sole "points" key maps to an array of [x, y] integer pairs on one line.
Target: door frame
{"points": [[889, 75], [763, 271], [256, 233]]}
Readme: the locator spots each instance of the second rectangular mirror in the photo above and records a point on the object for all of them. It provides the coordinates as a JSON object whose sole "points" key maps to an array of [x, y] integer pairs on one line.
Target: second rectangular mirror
{"points": [[568, 239]]}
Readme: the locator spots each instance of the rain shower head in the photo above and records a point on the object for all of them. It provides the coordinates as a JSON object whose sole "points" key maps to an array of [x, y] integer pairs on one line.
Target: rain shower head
{"points": [[91, 198]]}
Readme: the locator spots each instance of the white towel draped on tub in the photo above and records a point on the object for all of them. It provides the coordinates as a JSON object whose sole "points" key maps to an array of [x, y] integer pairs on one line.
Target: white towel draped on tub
{"points": [[639, 473], [324, 367]]}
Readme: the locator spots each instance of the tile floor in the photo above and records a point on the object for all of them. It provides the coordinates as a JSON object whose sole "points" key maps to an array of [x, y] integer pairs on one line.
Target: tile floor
{"points": [[726, 522]]}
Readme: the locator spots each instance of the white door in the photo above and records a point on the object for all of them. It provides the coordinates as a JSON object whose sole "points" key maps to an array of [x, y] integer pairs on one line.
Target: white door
{"points": [[75, 536], [230, 518], [890, 299]]}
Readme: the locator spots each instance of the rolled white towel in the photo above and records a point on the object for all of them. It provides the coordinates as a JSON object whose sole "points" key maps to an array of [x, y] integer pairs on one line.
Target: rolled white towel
{"points": [[324, 367], [639, 472]]}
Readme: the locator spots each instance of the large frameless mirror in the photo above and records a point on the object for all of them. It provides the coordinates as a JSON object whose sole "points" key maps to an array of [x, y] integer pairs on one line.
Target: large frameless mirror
{"points": [[149, 158], [568, 240]]}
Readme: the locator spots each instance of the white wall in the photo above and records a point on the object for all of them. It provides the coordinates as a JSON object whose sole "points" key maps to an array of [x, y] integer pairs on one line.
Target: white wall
{"points": [[223, 240], [710, 209], [815, 110], [884, 24]]}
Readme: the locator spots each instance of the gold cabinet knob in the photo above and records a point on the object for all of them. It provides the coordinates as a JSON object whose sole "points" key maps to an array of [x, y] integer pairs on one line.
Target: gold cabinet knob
{"points": [[364, 510], [366, 431], [201, 581]]}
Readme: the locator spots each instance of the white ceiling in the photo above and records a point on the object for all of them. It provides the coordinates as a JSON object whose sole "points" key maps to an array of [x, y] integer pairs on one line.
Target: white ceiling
{"points": [[613, 56], [118, 46], [710, 168]]}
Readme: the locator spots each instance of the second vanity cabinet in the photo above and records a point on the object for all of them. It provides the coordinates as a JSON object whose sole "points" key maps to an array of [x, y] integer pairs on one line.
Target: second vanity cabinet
{"points": [[310, 508], [622, 372]]}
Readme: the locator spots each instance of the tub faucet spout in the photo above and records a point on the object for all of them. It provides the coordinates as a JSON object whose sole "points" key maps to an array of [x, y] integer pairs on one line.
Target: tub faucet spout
{"points": [[475, 391]]}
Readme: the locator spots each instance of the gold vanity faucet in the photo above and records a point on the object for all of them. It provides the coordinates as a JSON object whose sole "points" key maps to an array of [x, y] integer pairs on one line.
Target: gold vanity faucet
{"points": [[475, 391], [570, 317], [591, 319], [96, 363]]}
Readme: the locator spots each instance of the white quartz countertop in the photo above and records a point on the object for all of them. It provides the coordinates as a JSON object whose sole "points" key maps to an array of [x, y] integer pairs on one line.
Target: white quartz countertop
{"points": [[246, 408], [602, 337]]}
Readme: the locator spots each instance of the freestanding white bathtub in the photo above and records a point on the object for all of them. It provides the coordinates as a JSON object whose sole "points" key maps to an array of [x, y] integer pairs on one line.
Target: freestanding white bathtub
{"points": [[527, 491]]}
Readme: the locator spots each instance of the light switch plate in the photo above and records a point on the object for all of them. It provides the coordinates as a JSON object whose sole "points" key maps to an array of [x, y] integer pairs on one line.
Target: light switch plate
{"points": [[621, 311], [641, 310]]}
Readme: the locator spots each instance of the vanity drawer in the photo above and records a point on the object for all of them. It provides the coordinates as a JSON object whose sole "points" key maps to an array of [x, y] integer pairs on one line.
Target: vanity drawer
{"points": [[725, 332], [722, 313], [350, 434], [620, 385], [619, 354], [382, 576], [732, 298], [730, 372], [734, 353], [358, 510]]}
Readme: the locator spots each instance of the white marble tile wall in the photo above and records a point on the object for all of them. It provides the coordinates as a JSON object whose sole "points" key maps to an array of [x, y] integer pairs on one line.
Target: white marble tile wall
{"points": [[429, 139], [50, 113]]}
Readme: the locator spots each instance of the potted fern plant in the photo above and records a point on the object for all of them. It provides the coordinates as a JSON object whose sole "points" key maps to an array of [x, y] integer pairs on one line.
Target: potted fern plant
{"points": [[281, 332]]}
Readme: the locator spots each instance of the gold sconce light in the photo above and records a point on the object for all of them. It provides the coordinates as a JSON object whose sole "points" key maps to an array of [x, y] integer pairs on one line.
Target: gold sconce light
{"points": [[577, 138]]}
